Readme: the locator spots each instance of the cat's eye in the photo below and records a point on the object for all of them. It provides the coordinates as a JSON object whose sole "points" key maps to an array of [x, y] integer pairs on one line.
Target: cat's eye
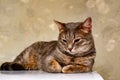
{"points": [[76, 40], [64, 40]]}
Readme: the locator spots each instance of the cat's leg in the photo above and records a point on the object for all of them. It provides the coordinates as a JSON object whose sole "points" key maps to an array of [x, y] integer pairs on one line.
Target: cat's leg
{"points": [[51, 65], [80, 64], [76, 69], [10, 66]]}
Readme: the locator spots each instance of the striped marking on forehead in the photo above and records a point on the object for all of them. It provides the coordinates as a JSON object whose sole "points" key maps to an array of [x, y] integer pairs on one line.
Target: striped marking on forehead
{"points": [[70, 34], [71, 29]]}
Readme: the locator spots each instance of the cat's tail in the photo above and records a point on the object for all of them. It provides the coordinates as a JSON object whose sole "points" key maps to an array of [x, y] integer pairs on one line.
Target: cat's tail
{"points": [[10, 66]]}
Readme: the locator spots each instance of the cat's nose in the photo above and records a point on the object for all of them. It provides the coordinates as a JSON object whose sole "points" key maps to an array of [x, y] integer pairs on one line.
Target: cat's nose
{"points": [[69, 49]]}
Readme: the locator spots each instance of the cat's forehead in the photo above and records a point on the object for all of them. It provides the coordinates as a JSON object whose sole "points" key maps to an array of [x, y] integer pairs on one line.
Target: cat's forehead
{"points": [[72, 25]]}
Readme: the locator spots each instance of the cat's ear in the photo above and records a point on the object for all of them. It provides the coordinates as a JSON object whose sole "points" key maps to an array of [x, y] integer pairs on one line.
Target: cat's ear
{"points": [[87, 25], [61, 26]]}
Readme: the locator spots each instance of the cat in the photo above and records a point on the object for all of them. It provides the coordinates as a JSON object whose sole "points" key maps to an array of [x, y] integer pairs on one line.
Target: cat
{"points": [[73, 52]]}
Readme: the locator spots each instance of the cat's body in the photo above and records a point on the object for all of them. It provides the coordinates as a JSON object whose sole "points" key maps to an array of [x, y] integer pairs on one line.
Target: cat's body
{"points": [[73, 52]]}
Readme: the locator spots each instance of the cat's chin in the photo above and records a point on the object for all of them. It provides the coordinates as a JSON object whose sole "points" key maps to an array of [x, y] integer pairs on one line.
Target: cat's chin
{"points": [[71, 53], [75, 54]]}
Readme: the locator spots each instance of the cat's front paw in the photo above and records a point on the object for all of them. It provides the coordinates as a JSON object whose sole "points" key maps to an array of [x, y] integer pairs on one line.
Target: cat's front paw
{"points": [[53, 66], [76, 69], [68, 69]]}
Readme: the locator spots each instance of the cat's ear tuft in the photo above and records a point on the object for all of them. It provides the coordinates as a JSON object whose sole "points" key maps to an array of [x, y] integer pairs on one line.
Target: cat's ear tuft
{"points": [[61, 26], [87, 25]]}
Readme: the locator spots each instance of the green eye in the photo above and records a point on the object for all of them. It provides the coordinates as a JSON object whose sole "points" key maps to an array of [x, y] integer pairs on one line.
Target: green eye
{"points": [[64, 40], [76, 40]]}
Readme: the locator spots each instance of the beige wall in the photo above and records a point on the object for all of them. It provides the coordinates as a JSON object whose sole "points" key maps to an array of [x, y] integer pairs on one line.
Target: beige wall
{"points": [[23, 22]]}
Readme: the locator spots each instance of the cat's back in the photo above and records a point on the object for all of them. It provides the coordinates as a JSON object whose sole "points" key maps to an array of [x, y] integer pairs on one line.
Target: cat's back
{"points": [[44, 46], [39, 48]]}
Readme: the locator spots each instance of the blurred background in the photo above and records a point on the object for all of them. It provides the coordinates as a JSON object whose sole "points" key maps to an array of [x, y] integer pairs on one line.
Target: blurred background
{"points": [[23, 22]]}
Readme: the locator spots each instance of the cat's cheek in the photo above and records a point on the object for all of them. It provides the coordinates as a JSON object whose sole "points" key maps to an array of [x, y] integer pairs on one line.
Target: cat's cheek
{"points": [[63, 47], [74, 50], [83, 49]]}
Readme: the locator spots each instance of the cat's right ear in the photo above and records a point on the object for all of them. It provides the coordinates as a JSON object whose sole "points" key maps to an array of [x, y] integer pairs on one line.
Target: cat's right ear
{"points": [[61, 26]]}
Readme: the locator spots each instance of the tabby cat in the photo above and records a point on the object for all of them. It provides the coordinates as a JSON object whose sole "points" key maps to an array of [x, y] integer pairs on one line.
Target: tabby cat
{"points": [[73, 52]]}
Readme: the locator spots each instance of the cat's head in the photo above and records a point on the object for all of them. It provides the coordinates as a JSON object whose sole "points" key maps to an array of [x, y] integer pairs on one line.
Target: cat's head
{"points": [[75, 38]]}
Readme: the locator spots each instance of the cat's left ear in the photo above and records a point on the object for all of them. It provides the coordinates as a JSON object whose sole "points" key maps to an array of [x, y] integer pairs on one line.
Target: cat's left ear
{"points": [[61, 26], [87, 25]]}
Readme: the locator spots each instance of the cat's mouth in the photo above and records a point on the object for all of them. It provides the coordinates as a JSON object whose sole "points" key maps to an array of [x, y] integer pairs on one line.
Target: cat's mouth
{"points": [[71, 52]]}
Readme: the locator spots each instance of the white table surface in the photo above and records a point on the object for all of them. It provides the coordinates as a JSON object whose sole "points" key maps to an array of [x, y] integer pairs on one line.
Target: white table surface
{"points": [[38, 75]]}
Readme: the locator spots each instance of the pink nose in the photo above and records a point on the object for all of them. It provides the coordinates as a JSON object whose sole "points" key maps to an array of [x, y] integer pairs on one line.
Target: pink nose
{"points": [[69, 49]]}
